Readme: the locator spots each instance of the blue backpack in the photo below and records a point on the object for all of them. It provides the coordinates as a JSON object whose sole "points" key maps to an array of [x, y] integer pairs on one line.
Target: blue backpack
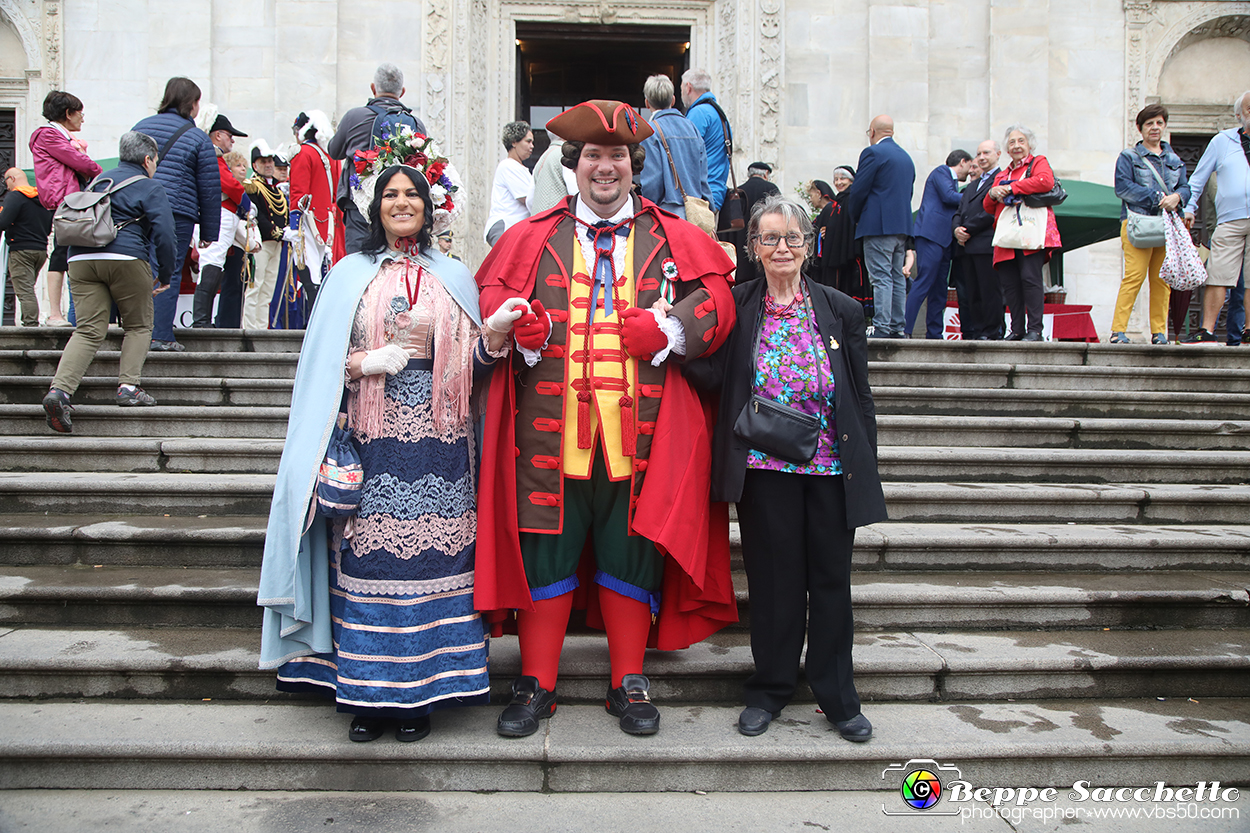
{"points": [[388, 120]]}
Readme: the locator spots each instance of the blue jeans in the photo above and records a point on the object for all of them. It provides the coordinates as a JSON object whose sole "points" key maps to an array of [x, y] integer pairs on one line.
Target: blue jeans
{"points": [[1237, 310], [883, 258], [165, 305], [933, 266]]}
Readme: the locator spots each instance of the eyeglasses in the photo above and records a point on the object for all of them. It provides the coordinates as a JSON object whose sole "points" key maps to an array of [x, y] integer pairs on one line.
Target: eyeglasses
{"points": [[794, 240]]}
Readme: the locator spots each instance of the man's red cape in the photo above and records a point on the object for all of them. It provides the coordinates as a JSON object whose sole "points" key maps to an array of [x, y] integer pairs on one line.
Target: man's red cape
{"points": [[697, 596]]}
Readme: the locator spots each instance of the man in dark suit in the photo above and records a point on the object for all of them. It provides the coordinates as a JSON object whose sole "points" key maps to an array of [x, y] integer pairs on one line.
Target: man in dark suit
{"points": [[980, 294], [932, 231], [756, 187], [880, 203]]}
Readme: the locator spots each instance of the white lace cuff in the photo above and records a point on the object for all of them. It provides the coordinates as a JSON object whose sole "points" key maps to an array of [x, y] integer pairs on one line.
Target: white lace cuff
{"points": [[676, 333]]}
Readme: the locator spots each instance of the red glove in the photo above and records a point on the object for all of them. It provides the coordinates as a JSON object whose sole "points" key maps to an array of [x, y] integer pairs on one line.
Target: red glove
{"points": [[532, 329], [641, 333]]}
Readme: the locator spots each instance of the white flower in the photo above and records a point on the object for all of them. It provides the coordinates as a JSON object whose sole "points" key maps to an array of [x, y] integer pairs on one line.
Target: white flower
{"points": [[437, 194]]}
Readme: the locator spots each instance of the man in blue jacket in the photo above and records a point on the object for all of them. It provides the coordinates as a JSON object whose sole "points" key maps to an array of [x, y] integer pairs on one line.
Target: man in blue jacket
{"points": [[880, 203], [118, 273], [933, 235], [188, 171], [705, 114]]}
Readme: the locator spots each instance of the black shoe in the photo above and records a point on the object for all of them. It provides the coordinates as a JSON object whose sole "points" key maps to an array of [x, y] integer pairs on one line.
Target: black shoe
{"points": [[754, 721], [57, 409], [410, 730], [1033, 337], [167, 346], [632, 704], [1015, 337], [129, 398], [1199, 336], [530, 704], [364, 730], [856, 730]]}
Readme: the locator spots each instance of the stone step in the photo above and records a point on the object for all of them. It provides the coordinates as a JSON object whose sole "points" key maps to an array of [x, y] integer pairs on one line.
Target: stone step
{"points": [[1059, 377], [911, 463], [221, 664], [939, 352], [110, 595], [1061, 432], [240, 494], [285, 746], [196, 341], [178, 391], [159, 365], [937, 404], [173, 421], [237, 541]]}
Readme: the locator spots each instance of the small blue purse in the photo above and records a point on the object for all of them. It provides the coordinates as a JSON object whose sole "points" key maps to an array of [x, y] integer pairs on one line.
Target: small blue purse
{"points": [[341, 476]]}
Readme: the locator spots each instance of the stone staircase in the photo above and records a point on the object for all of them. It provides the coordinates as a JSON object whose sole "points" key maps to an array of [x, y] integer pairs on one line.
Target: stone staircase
{"points": [[1062, 591]]}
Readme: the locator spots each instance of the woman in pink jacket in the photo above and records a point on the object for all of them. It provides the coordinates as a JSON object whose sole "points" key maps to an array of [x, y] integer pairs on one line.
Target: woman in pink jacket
{"points": [[1020, 271], [61, 167]]}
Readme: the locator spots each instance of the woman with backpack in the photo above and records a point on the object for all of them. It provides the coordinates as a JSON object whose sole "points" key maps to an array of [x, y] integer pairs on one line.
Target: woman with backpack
{"points": [[118, 272]]}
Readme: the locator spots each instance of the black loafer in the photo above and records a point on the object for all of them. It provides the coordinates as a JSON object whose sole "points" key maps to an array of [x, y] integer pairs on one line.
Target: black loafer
{"points": [[631, 702], [856, 730], [754, 721], [530, 704], [364, 730], [412, 730], [1033, 337]]}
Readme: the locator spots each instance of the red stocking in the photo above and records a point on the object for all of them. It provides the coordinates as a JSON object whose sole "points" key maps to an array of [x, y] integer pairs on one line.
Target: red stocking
{"points": [[541, 635], [628, 623]]}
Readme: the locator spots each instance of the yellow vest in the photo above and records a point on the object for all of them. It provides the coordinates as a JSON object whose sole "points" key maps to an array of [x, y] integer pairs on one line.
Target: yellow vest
{"points": [[605, 413]]}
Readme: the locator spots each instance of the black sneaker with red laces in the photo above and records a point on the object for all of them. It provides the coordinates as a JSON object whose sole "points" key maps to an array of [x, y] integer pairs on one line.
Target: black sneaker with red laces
{"points": [[57, 409]]}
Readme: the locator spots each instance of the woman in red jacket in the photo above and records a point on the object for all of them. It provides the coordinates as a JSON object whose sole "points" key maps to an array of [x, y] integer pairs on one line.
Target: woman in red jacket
{"points": [[61, 168], [1020, 270]]}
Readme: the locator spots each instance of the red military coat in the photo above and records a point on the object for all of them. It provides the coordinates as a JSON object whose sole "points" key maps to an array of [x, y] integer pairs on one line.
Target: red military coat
{"points": [[520, 488], [308, 176]]}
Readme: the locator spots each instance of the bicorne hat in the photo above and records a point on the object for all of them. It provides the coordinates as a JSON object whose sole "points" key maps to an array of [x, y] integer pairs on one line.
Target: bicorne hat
{"points": [[601, 122]]}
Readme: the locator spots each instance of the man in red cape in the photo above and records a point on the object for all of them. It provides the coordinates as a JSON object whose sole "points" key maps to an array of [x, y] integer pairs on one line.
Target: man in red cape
{"points": [[595, 445]]}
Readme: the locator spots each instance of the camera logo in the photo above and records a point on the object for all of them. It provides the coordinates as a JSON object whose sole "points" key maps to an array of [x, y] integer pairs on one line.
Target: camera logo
{"points": [[921, 789], [920, 786]]}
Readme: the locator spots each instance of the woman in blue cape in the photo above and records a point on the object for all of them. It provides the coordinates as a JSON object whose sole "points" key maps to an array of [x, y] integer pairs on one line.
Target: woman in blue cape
{"points": [[377, 609]]}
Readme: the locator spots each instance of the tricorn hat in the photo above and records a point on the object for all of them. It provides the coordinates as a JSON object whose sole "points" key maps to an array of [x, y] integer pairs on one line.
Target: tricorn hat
{"points": [[601, 122]]}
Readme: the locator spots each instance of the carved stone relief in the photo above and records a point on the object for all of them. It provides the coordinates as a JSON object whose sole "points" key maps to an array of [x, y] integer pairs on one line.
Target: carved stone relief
{"points": [[11, 12]]}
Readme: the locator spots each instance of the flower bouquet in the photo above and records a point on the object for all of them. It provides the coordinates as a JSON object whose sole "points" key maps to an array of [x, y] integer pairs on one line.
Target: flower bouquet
{"points": [[407, 147]]}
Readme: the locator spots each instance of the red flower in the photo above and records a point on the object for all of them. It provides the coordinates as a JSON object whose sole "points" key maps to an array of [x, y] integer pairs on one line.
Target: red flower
{"points": [[416, 160], [447, 205], [363, 159], [435, 171]]}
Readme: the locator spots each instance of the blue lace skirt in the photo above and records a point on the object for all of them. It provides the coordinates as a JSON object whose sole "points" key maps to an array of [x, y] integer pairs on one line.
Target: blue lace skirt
{"points": [[407, 639]]}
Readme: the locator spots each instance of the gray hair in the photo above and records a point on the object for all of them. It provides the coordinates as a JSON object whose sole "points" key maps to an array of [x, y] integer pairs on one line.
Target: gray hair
{"points": [[513, 132], [698, 79], [1241, 99], [845, 173], [788, 209], [134, 146], [389, 79], [658, 91], [1029, 135], [757, 169]]}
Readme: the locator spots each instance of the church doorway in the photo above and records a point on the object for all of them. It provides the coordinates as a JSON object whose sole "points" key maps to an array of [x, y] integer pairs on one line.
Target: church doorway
{"points": [[562, 64]]}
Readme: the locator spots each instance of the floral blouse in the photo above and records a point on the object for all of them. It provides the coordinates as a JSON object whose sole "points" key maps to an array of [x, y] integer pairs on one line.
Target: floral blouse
{"points": [[790, 370]]}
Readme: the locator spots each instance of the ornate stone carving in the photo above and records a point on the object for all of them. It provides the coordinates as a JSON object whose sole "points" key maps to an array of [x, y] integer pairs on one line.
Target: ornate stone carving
{"points": [[11, 10], [438, 60], [770, 68], [52, 39]]}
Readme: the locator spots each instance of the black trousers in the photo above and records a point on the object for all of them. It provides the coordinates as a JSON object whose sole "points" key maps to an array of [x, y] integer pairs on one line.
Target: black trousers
{"points": [[205, 292], [1021, 279], [984, 297], [797, 551]]}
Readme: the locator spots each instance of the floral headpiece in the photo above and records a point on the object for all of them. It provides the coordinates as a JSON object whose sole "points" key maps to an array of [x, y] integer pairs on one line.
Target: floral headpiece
{"points": [[407, 147]]}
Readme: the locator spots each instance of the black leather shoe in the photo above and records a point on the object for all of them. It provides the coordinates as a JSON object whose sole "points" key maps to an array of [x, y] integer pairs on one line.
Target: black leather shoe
{"points": [[1015, 337], [856, 730], [1033, 337], [754, 721], [409, 730], [632, 704], [530, 704], [364, 730]]}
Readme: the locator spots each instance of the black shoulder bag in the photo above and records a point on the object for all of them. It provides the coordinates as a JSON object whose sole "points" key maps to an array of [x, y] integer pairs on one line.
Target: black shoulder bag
{"points": [[776, 429]]}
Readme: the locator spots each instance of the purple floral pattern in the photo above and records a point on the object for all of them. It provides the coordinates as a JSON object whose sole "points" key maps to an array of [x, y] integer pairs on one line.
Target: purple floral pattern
{"points": [[790, 371]]}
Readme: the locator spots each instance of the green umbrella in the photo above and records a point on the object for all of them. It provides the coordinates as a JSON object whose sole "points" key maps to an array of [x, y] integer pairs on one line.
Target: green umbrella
{"points": [[1089, 215]]}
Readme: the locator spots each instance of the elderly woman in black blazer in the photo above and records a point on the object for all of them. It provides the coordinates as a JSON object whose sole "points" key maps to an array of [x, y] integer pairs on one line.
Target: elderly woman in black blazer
{"points": [[802, 345]]}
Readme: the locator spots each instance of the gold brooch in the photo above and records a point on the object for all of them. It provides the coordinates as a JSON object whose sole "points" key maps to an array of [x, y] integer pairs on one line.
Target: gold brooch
{"points": [[833, 343]]}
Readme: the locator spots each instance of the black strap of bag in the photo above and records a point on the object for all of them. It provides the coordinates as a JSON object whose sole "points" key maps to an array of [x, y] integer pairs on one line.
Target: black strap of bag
{"points": [[160, 159], [733, 210]]}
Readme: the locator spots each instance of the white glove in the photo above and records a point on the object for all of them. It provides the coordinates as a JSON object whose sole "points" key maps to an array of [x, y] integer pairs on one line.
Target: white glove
{"points": [[504, 317], [390, 359], [290, 235]]}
